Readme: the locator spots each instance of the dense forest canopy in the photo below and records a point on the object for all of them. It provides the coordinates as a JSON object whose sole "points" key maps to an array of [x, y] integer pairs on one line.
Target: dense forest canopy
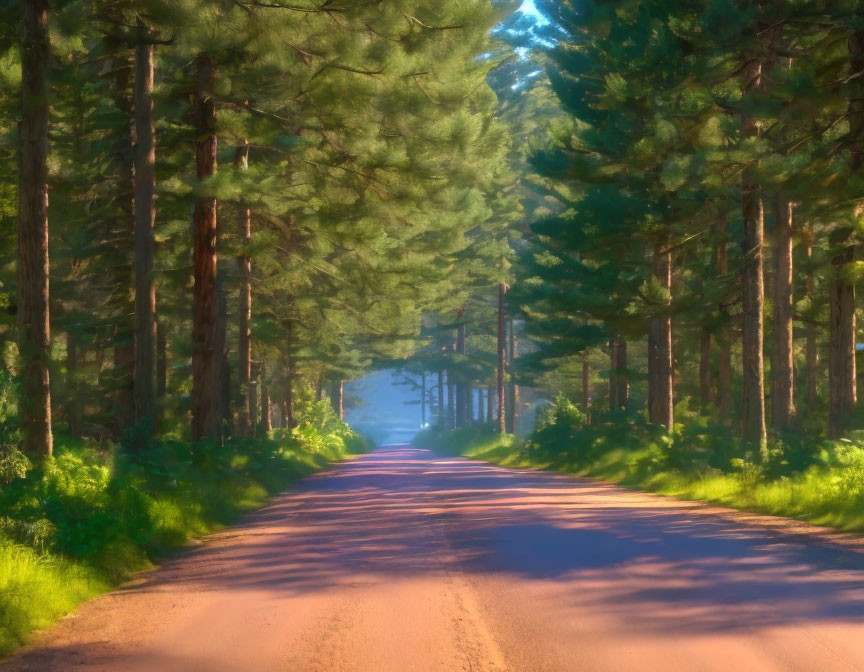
{"points": [[246, 203]]}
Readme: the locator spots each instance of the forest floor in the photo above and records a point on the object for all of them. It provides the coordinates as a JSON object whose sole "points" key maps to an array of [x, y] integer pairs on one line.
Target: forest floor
{"points": [[402, 560]]}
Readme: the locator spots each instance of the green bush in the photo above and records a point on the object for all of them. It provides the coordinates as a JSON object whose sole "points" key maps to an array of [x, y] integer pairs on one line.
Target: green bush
{"points": [[88, 518], [561, 412], [821, 482]]}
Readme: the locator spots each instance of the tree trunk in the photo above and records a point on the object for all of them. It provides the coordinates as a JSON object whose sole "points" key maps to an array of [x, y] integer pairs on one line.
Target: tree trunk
{"points": [[451, 402], [145, 217], [782, 363], [724, 379], [224, 375], [253, 405], [613, 372], [423, 399], [753, 367], [513, 396], [266, 418], [123, 169], [501, 365], [161, 361], [812, 354], [841, 349], [724, 346], [586, 387], [622, 382], [73, 401], [462, 349], [244, 310], [206, 361], [705, 377], [490, 405], [288, 400], [340, 399], [660, 377], [290, 375], [34, 332], [441, 415]]}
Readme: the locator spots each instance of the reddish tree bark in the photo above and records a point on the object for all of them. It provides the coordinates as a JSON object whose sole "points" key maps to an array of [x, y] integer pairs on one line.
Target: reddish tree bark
{"points": [[782, 358], [753, 381], [34, 332], [145, 217], [244, 310], [812, 353], [224, 375], [206, 362], [660, 376]]}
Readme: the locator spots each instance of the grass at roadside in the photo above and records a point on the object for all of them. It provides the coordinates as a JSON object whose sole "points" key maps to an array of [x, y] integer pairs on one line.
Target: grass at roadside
{"points": [[89, 519], [826, 488]]}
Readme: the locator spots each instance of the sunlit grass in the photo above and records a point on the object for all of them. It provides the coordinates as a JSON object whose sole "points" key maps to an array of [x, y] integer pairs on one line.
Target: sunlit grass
{"points": [[104, 519], [37, 589], [829, 493]]}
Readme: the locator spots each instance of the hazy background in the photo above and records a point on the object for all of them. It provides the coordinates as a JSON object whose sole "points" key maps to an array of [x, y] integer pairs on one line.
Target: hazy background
{"points": [[385, 406]]}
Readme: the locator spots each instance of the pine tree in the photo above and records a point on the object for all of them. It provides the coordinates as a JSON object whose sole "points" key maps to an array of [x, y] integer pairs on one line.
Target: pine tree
{"points": [[145, 217], [34, 331]]}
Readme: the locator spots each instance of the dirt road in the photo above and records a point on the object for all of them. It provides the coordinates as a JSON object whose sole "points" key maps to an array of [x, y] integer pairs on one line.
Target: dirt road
{"points": [[404, 561]]}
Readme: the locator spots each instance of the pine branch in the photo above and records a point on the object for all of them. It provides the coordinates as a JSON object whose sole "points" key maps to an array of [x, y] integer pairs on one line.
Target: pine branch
{"points": [[325, 8], [416, 21]]}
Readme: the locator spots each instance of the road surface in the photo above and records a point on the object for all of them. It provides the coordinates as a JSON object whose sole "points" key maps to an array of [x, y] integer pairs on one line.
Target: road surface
{"points": [[403, 561]]}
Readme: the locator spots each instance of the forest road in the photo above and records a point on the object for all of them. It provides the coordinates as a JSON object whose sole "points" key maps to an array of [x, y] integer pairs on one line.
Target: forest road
{"points": [[402, 560]]}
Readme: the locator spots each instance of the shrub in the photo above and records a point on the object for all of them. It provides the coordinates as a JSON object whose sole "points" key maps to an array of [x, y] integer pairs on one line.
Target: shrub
{"points": [[87, 518]]}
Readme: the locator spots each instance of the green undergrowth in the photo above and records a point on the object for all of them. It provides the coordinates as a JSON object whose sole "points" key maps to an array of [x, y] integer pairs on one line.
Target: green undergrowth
{"points": [[821, 482], [89, 518]]}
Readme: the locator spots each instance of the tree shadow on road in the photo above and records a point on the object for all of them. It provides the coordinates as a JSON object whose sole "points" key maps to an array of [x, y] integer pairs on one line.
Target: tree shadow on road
{"points": [[402, 512]]}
